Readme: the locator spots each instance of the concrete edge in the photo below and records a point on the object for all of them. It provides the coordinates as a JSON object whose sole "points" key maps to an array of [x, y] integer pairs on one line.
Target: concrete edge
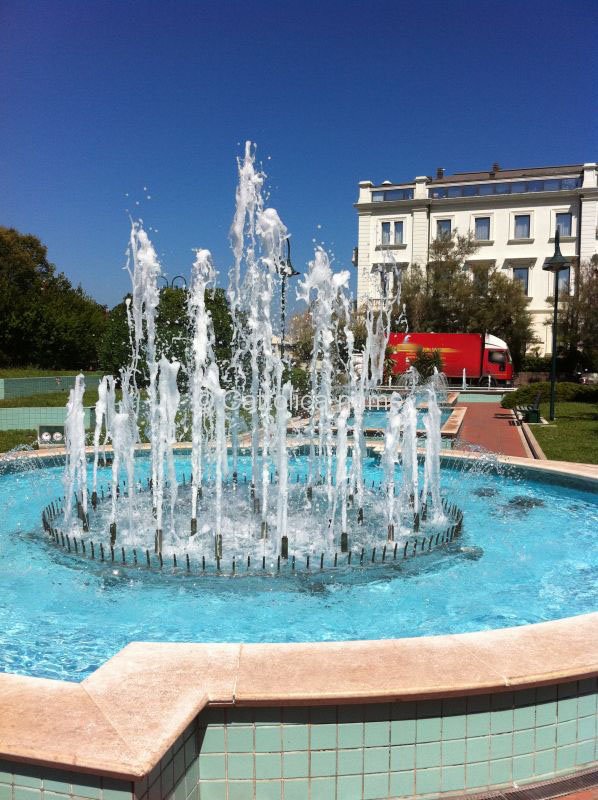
{"points": [[329, 673], [321, 664]]}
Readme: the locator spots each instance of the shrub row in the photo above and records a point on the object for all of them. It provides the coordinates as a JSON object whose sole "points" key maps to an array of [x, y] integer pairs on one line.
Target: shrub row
{"points": [[571, 392]]}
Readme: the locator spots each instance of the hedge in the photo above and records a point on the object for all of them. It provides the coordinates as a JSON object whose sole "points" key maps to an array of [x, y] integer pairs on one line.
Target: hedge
{"points": [[566, 392]]}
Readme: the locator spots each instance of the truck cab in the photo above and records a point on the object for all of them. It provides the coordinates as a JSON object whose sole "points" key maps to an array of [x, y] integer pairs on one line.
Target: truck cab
{"points": [[497, 365]]}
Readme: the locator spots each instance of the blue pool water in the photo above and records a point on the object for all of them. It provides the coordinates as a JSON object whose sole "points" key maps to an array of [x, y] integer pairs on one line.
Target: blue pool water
{"points": [[377, 418], [62, 618]]}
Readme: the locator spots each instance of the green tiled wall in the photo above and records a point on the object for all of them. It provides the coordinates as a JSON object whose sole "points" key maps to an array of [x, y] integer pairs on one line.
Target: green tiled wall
{"points": [[361, 752], [370, 752], [25, 387], [176, 777], [21, 782], [30, 418]]}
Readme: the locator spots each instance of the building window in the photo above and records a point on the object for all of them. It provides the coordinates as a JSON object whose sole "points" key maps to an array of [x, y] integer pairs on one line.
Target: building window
{"points": [[516, 187], [563, 223], [565, 281], [392, 194], [522, 226], [482, 229], [443, 228], [398, 232], [392, 232], [521, 274]]}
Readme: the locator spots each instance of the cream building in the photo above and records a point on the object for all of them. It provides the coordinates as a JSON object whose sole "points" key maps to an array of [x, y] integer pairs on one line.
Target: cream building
{"points": [[513, 215]]}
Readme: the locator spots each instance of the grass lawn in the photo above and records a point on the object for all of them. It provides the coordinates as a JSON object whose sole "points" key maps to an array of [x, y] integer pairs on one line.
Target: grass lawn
{"points": [[49, 400], [34, 372], [573, 436], [11, 439]]}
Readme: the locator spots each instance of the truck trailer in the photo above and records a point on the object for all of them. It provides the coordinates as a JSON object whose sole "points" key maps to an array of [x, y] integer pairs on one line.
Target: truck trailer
{"points": [[485, 359]]}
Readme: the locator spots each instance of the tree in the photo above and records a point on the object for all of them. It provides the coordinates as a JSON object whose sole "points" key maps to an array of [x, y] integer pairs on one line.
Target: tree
{"points": [[454, 296], [301, 334], [173, 330], [502, 309], [114, 350], [448, 284], [577, 327], [359, 328], [46, 322]]}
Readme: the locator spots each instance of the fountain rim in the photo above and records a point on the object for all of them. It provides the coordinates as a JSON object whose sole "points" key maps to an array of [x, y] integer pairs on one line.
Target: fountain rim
{"points": [[584, 475], [253, 675]]}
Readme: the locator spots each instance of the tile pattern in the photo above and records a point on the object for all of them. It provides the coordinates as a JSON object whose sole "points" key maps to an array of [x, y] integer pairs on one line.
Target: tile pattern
{"points": [[176, 776], [27, 782], [26, 387], [29, 418], [353, 752], [368, 752]]}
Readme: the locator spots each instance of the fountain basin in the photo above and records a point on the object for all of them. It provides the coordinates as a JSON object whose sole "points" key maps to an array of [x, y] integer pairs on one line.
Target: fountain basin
{"points": [[386, 718], [500, 707], [526, 554], [374, 423]]}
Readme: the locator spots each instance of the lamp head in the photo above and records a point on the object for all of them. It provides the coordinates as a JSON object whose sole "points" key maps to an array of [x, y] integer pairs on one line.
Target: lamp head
{"points": [[286, 268], [558, 260]]}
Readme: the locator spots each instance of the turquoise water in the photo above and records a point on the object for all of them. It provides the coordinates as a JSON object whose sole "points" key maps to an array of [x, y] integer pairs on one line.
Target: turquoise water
{"points": [[62, 618], [376, 418], [472, 397]]}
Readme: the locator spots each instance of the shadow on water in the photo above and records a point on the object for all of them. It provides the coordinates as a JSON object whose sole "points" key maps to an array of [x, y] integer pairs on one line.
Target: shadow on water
{"points": [[485, 491], [522, 504]]}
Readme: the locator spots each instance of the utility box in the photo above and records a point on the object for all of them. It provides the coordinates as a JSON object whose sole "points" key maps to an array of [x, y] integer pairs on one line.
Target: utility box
{"points": [[50, 436]]}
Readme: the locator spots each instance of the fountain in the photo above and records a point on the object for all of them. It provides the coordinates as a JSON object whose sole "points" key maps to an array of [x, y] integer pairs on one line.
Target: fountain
{"points": [[245, 501], [336, 536]]}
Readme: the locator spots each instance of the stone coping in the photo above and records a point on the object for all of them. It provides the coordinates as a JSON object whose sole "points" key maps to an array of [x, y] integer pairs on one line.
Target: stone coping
{"points": [[449, 430], [451, 427], [120, 721], [586, 472]]}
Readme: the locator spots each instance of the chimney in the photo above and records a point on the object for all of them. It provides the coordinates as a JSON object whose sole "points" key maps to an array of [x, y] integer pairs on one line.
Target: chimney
{"points": [[439, 173], [496, 167]]}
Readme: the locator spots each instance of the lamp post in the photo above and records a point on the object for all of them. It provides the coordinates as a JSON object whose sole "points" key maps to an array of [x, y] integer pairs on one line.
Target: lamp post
{"points": [[555, 265], [170, 284], [285, 270]]}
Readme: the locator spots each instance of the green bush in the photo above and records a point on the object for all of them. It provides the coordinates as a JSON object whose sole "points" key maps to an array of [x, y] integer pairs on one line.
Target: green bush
{"points": [[565, 392], [533, 363], [426, 361], [9, 440], [299, 378]]}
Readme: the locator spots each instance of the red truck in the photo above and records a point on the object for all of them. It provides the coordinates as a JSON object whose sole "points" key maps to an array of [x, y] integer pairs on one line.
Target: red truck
{"points": [[486, 360]]}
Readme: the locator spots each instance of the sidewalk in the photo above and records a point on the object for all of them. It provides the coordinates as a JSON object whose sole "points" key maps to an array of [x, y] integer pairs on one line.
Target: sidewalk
{"points": [[492, 427]]}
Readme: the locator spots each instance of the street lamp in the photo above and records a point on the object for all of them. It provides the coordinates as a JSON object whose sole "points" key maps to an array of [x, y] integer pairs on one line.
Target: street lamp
{"points": [[555, 264], [285, 270], [171, 284]]}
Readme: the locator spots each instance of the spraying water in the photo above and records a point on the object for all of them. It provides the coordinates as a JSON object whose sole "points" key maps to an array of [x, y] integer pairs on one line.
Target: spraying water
{"points": [[75, 475], [274, 512], [202, 346]]}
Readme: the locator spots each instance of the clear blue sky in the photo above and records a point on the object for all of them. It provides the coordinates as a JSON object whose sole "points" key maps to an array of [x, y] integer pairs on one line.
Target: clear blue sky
{"points": [[99, 99]]}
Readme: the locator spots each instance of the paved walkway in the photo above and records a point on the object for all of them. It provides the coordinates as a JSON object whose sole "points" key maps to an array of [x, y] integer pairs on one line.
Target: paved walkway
{"points": [[494, 428]]}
